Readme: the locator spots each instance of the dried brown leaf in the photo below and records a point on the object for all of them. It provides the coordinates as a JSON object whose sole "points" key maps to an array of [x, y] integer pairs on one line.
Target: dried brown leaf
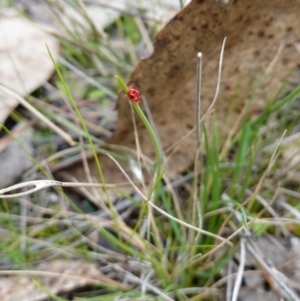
{"points": [[257, 31], [25, 62]]}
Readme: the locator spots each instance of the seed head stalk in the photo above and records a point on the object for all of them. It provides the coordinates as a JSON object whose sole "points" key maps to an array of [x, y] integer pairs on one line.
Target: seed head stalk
{"points": [[134, 96]]}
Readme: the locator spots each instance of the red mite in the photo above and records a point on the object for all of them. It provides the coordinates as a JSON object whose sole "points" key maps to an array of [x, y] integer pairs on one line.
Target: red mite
{"points": [[133, 95]]}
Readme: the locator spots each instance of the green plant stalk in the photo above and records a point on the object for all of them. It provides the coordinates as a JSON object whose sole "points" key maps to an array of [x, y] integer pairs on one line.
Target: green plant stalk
{"points": [[157, 185], [152, 136], [148, 127], [68, 93]]}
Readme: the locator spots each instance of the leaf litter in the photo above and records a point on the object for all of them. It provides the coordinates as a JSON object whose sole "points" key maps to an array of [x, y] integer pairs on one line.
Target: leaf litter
{"points": [[25, 62], [173, 63]]}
